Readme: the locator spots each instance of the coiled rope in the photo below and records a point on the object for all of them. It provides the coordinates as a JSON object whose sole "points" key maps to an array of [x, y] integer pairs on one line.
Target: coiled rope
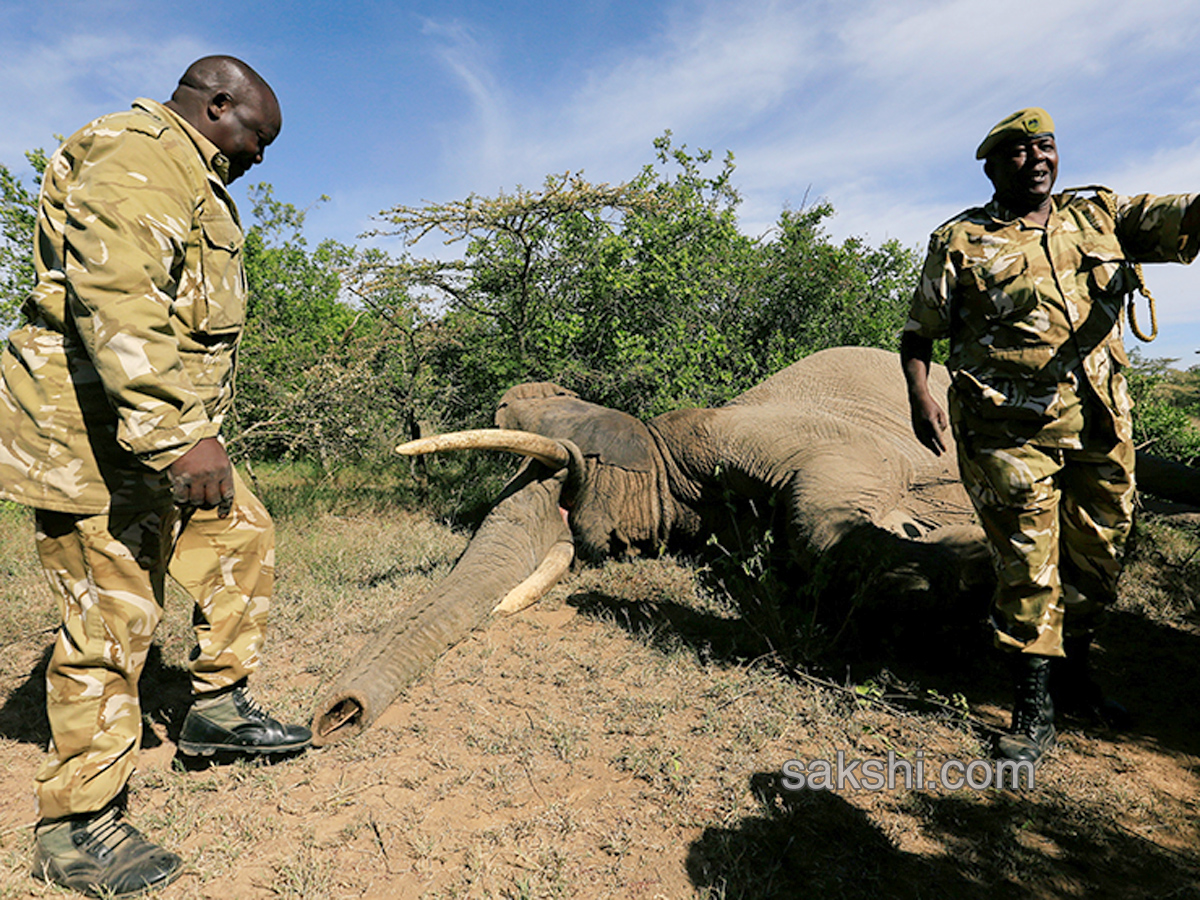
{"points": [[1110, 203]]}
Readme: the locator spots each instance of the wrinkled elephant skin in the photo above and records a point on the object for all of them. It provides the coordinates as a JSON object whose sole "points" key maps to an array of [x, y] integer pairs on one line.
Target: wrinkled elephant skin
{"points": [[827, 439]]}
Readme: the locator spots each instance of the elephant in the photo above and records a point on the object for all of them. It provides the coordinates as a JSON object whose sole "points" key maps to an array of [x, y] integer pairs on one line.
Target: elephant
{"points": [[828, 441]]}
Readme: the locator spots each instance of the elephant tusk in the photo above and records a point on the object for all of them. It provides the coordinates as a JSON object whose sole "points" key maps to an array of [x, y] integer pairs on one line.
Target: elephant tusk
{"points": [[544, 577], [523, 443]]}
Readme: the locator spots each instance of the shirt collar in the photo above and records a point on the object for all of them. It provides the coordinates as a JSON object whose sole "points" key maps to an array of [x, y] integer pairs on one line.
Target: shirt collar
{"points": [[217, 161], [1002, 214]]}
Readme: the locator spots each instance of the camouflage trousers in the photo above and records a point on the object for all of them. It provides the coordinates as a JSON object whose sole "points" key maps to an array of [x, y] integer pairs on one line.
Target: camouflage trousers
{"points": [[108, 572], [1056, 522]]}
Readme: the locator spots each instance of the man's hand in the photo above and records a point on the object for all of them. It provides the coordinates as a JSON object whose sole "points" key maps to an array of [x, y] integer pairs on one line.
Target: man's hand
{"points": [[928, 419], [929, 422], [203, 478]]}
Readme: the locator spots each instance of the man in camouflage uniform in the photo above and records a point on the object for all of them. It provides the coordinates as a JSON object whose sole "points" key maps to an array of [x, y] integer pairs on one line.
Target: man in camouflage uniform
{"points": [[1029, 291], [111, 403]]}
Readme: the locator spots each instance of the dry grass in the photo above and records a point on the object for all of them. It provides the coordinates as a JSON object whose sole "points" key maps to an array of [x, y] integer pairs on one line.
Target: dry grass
{"points": [[623, 738]]}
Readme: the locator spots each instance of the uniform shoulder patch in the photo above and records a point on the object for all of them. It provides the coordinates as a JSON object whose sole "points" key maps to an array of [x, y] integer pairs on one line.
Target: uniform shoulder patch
{"points": [[147, 125], [1093, 192], [976, 215]]}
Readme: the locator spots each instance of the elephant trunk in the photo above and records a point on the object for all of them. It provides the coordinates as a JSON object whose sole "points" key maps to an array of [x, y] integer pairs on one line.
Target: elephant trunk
{"points": [[522, 530]]}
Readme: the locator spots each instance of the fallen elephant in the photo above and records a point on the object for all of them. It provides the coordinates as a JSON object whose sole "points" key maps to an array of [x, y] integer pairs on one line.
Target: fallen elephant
{"points": [[827, 439]]}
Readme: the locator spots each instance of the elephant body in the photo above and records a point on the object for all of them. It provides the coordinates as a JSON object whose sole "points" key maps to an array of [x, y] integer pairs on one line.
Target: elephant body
{"points": [[832, 435], [827, 441]]}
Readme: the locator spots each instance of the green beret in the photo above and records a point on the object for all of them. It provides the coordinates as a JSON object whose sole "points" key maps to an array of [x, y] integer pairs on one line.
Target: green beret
{"points": [[1023, 123]]}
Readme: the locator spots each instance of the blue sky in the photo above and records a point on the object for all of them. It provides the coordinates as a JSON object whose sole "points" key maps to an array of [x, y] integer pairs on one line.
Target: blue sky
{"points": [[874, 105]]}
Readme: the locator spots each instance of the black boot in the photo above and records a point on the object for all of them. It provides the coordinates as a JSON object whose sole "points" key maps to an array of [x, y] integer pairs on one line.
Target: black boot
{"points": [[232, 723], [1074, 691], [101, 855], [1032, 733]]}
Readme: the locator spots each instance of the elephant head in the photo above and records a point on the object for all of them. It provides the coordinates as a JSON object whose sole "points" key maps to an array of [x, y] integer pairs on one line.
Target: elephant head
{"points": [[828, 441]]}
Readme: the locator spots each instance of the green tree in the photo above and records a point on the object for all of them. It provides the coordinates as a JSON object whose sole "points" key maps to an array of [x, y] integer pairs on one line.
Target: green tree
{"points": [[303, 374], [18, 215], [334, 360], [501, 308], [624, 293], [1166, 411], [818, 294], [644, 296], [664, 299]]}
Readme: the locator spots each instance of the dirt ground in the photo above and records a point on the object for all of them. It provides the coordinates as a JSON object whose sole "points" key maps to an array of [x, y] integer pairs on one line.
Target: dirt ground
{"points": [[623, 739]]}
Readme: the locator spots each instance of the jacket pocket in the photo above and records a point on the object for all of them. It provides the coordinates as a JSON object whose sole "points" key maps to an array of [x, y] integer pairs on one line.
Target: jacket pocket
{"points": [[223, 301], [1001, 289]]}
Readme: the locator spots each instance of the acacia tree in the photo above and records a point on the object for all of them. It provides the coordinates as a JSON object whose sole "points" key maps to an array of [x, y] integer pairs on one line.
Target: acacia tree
{"points": [[502, 310], [620, 292], [644, 296]]}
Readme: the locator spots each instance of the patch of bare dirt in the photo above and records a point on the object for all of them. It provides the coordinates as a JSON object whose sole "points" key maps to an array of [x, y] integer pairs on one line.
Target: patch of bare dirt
{"points": [[618, 740]]}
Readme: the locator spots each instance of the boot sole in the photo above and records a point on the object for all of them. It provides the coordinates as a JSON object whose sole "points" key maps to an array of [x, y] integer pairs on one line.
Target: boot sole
{"points": [[50, 873], [186, 748]]}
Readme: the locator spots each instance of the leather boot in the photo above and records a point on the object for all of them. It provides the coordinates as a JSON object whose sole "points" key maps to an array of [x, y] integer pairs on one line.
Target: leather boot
{"points": [[1032, 734], [1076, 693], [101, 855], [231, 722]]}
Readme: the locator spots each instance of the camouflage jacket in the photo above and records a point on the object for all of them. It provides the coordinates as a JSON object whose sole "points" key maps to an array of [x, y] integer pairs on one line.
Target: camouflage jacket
{"points": [[1034, 314], [126, 357]]}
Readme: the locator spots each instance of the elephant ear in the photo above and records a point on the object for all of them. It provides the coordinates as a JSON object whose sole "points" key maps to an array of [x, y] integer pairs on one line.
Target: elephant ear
{"points": [[620, 503], [610, 437]]}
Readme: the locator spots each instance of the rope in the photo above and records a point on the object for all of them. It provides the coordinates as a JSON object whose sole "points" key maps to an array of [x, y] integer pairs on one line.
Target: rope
{"points": [[1110, 204]]}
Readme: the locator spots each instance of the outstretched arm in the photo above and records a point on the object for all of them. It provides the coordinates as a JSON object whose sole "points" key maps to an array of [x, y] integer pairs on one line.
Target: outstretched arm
{"points": [[928, 418]]}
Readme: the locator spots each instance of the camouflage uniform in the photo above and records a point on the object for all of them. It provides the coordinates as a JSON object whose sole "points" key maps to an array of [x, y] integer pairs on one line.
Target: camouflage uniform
{"points": [[1038, 403], [125, 362]]}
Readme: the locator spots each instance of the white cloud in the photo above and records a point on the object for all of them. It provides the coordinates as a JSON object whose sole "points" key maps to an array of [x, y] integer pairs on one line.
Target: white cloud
{"points": [[54, 87], [484, 139], [723, 70], [719, 68], [876, 105]]}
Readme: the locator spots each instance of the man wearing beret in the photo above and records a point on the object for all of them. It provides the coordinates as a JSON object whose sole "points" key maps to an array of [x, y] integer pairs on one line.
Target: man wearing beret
{"points": [[1029, 288]]}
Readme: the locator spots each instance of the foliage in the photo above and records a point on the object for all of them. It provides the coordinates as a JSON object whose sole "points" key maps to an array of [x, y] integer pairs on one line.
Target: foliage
{"points": [[316, 377], [662, 304], [645, 296], [1166, 412], [820, 294], [505, 313], [18, 214]]}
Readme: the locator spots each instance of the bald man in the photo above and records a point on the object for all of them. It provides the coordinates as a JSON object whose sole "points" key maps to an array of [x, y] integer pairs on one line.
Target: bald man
{"points": [[111, 403]]}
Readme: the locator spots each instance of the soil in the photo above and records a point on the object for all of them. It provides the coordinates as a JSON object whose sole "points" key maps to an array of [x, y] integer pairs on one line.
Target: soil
{"points": [[617, 740]]}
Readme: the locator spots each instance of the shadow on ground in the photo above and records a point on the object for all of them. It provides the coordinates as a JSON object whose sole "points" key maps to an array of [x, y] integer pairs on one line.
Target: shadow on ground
{"points": [[1148, 666], [815, 844], [165, 694]]}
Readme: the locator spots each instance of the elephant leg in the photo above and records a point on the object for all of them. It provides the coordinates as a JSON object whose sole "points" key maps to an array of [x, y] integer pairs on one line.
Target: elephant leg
{"points": [[908, 586]]}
